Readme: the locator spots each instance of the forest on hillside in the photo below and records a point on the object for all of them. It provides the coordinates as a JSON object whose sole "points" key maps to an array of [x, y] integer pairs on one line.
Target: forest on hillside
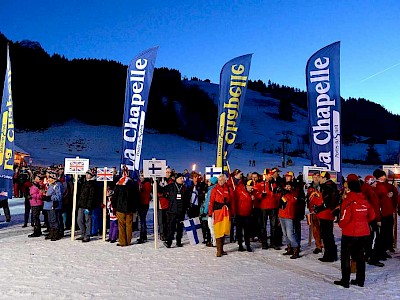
{"points": [[52, 89]]}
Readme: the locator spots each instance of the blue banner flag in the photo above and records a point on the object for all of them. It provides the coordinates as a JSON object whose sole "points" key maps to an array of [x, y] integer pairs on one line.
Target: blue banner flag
{"points": [[138, 82], [232, 93], [324, 107], [7, 137]]}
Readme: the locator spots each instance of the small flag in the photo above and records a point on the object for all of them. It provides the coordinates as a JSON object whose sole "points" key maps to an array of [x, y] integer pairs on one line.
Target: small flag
{"points": [[105, 174], [213, 171], [193, 230]]}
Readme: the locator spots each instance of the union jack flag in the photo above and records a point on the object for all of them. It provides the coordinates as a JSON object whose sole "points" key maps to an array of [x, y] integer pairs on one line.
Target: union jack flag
{"points": [[77, 166], [105, 174]]}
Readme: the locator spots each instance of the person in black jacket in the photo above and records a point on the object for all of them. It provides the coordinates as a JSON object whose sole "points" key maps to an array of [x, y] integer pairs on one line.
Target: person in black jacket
{"points": [[178, 203], [125, 202], [89, 198]]}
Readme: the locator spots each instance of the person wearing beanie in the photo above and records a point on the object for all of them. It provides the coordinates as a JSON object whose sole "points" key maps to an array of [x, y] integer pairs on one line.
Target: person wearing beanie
{"points": [[356, 214], [88, 199], [387, 195], [178, 204], [53, 205], [313, 194], [241, 207], [330, 200]]}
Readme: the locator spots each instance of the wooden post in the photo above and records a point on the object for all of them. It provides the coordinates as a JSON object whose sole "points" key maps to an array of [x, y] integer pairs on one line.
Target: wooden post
{"points": [[155, 204], [74, 207], [104, 210]]}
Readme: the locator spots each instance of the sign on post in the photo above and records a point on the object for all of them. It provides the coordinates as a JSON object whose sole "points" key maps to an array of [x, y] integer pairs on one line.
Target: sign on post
{"points": [[75, 166], [104, 174], [153, 169]]}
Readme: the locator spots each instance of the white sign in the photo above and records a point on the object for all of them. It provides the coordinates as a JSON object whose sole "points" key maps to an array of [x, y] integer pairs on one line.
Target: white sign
{"points": [[77, 166], [213, 171], [154, 168], [105, 174]]}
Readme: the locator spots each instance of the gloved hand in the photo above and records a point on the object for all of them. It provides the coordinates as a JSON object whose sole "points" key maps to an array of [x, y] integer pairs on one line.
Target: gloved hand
{"points": [[319, 208], [86, 211]]}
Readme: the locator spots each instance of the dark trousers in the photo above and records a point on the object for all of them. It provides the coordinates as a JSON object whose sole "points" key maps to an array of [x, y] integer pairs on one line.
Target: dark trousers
{"points": [[272, 215], [36, 218], [255, 224], [175, 224], [6, 209], [374, 244], [163, 223], [353, 247], [67, 212], [143, 209], [329, 239], [297, 229], [206, 231], [60, 222], [27, 211], [243, 229], [387, 232]]}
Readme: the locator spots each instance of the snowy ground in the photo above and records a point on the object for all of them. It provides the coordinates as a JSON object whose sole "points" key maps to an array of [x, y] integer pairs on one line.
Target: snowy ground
{"points": [[34, 268]]}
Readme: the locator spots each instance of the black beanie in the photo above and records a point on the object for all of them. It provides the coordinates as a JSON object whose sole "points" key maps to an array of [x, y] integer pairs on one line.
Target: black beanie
{"points": [[378, 173]]}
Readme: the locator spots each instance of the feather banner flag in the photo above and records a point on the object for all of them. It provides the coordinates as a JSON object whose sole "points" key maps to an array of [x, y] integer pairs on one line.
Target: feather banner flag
{"points": [[7, 137], [222, 222], [232, 92], [324, 107], [193, 230], [138, 82]]}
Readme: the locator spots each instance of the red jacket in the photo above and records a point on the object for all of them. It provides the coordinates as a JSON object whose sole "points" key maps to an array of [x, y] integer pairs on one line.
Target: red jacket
{"points": [[145, 192], [317, 199], [220, 195], [386, 204], [356, 213], [288, 207], [369, 194], [264, 193], [163, 201], [243, 203]]}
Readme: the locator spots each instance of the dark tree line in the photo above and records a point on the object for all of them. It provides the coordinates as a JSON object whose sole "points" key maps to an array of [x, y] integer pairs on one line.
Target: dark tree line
{"points": [[52, 89], [360, 117]]}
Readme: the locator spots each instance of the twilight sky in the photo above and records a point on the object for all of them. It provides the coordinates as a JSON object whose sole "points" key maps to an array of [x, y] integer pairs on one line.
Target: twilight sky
{"points": [[199, 37]]}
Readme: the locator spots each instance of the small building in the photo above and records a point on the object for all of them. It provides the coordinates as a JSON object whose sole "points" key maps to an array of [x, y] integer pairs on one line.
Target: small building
{"points": [[21, 157]]}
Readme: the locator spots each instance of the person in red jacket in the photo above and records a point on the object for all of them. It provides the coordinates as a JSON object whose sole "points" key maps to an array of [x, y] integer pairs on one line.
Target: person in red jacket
{"points": [[268, 203], [145, 190], [375, 241], [163, 204], [221, 195], [324, 211], [242, 207], [313, 190], [385, 195], [287, 214], [356, 214]]}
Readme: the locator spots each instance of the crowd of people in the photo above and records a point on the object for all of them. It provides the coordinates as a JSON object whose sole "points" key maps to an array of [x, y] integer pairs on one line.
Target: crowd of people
{"points": [[262, 208]]}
